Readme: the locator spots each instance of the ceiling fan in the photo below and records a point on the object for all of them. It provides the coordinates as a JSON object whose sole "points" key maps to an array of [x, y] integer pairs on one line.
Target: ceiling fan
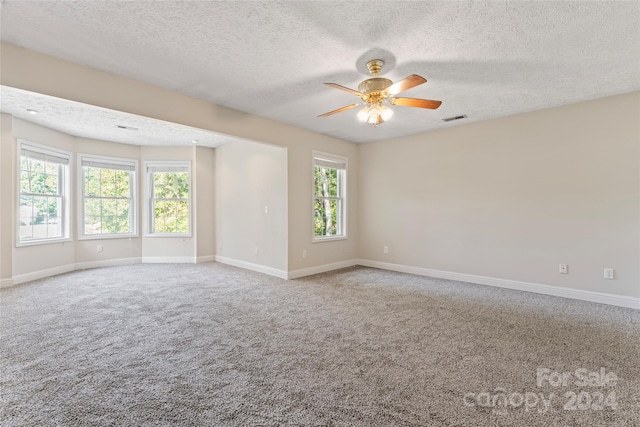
{"points": [[378, 91]]}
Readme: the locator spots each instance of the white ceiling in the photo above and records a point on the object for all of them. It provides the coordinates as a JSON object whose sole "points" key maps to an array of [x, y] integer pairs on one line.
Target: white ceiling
{"points": [[270, 58], [89, 121]]}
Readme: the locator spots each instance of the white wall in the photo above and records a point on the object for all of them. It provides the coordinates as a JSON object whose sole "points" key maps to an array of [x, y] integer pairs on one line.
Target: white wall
{"points": [[249, 178], [512, 198]]}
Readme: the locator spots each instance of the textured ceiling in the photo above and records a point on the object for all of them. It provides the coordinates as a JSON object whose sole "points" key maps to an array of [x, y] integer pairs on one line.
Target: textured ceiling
{"points": [[482, 59], [89, 121]]}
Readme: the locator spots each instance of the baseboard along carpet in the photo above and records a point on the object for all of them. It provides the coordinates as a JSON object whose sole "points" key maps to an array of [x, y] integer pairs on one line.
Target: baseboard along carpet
{"points": [[215, 345]]}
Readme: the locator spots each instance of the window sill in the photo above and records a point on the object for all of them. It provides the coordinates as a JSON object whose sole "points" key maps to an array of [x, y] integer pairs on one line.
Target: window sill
{"points": [[42, 242], [327, 239], [107, 236], [178, 235]]}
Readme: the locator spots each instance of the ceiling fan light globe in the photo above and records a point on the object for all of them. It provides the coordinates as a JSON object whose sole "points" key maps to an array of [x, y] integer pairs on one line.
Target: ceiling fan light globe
{"points": [[386, 112], [363, 115]]}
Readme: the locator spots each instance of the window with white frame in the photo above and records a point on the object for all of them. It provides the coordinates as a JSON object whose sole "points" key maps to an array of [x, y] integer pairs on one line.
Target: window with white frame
{"points": [[43, 192], [329, 202], [169, 201], [107, 203]]}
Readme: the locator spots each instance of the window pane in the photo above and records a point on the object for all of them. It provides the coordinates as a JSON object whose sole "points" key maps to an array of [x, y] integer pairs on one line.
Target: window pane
{"points": [[108, 201], [92, 225], [109, 216], [37, 166], [107, 183], [326, 217], [326, 182], [53, 217], [159, 215], [182, 217], [41, 214], [91, 181], [51, 183], [183, 185], [51, 168], [25, 182], [122, 183], [27, 211], [170, 203], [159, 186]]}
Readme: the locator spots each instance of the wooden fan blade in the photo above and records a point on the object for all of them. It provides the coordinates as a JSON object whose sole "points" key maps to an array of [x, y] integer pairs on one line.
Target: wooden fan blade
{"points": [[414, 102], [407, 83], [346, 89], [339, 110]]}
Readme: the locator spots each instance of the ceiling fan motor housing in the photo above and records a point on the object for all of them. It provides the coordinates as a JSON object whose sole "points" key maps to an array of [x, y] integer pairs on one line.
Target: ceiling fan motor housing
{"points": [[374, 89]]}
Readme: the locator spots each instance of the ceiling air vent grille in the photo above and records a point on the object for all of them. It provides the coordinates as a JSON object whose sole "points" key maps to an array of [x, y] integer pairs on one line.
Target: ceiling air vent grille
{"points": [[127, 127], [449, 119]]}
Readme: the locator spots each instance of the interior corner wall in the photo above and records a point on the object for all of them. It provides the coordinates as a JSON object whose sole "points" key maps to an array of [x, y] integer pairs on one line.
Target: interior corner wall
{"points": [[59, 78], [251, 206], [7, 203], [512, 198], [204, 219]]}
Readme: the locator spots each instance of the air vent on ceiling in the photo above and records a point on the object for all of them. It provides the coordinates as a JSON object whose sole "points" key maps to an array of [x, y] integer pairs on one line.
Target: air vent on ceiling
{"points": [[449, 119], [127, 127]]}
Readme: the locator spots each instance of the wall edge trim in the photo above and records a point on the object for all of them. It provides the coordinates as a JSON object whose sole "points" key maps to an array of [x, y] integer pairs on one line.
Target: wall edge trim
{"points": [[303, 272], [107, 263], [168, 260], [41, 274], [282, 274], [557, 291]]}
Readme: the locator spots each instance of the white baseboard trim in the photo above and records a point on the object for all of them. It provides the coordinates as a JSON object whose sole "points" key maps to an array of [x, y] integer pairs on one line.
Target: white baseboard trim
{"points": [[6, 283], [107, 263], [28, 277], [296, 274], [168, 260], [253, 267], [591, 296], [208, 258]]}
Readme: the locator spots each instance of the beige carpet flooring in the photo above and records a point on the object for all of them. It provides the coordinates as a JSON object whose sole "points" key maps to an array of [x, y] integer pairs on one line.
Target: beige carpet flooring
{"points": [[214, 345]]}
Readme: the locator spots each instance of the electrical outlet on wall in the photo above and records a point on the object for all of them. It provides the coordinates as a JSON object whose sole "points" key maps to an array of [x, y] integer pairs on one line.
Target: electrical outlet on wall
{"points": [[385, 249], [99, 248], [563, 269], [608, 273]]}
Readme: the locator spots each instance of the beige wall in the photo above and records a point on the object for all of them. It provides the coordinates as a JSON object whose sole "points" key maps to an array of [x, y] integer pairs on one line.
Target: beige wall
{"points": [[249, 178], [28, 70], [509, 198], [204, 202], [165, 247], [512, 198], [53, 255], [301, 207], [7, 196], [112, 249], [29, 262]]}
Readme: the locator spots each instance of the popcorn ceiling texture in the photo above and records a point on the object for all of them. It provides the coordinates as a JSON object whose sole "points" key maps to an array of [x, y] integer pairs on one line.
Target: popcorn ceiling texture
{"points": [[482, 59], [77, 119], [209, 344]]}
